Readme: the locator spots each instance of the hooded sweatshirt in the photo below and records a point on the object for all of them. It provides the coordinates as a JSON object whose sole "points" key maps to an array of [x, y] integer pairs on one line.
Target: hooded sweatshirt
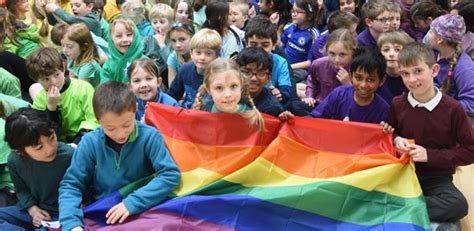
{"points": [[115, 68]]}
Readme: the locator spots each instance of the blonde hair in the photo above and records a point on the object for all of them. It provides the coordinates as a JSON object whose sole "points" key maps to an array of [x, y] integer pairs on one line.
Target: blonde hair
{"points": [[129, 8], [394, 37], [344, 36], [127, 23], [80, 34], [240, 6], [161, 10], [222, 65], [206, 39]]}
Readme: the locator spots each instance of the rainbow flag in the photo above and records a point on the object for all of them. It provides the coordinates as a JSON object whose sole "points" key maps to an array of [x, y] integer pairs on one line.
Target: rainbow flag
{"points": [[307, 174]]}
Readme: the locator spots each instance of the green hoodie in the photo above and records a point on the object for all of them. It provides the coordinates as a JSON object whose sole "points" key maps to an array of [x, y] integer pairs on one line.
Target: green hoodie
{"points": [[28, 39], [115, 68]]}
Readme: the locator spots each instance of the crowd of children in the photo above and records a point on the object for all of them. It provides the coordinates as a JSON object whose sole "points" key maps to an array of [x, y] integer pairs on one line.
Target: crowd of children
{"points": [[81, 72]]}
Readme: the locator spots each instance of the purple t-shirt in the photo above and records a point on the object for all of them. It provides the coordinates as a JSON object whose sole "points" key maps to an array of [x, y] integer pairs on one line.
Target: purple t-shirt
{"points": [[391, 87], [366, 39], [462, 88], [322, 79], [340, 105], [317, 50]]}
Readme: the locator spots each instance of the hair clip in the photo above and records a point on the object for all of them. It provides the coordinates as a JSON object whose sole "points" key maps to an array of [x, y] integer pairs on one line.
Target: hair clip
{"points": [[310, 9], [450, 73]]}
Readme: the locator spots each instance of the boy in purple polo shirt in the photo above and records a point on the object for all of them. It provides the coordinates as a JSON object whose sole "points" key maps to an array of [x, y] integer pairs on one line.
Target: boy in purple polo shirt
{"points": [[358, 102], [442, 134], [377, 20]]}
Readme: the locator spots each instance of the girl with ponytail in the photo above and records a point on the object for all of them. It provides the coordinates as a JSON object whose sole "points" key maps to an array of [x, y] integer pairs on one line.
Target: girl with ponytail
{"points": [[224, 83], [456, 75]]}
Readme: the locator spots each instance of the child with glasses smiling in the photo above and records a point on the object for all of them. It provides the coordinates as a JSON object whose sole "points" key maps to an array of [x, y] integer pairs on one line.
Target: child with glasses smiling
{"points": [[256, 66], [377, 21]]}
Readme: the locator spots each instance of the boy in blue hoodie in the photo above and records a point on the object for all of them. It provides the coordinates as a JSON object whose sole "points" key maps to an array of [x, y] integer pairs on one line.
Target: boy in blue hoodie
{"points": [[118, 153]]}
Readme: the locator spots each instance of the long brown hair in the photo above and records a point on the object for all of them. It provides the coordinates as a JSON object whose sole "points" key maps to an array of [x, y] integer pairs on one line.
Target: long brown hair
{"points": [[7, 29], [80, 34]]}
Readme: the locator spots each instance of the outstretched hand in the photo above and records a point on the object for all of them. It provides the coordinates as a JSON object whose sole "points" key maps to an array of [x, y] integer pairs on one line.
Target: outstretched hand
{"points": [[118, 213]]}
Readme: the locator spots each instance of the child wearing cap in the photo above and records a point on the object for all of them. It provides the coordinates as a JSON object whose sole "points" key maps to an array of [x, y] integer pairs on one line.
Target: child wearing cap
{"points": [[455, 77]]}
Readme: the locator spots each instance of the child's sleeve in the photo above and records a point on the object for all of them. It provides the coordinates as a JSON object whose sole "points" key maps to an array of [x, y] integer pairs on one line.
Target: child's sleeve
{"points": [[176, 89], [282, 80], [166, 179], [40, 102], [74, 183], [25, 199], [66, 17], [89, 122], [312, 83], [105, 73], [326, 108], [463, 152], [465, 94], [284, 36]]}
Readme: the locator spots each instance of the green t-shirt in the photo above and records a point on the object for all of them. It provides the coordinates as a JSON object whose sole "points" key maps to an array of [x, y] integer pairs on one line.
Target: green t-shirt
{"points": [[75, 104], [9, 84]]}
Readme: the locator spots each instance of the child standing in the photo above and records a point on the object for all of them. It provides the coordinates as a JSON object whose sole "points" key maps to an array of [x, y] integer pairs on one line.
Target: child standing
{"points": [[358, 102], [81, 52], [67, 100], [299, 36], [158, 46], [256, 66], [180, 35], [118, 153], [456, 67], [82, 13], [37, 165], [224, 83], [124, 46], [390, 43], [145, 84], [441, 130], [377, 20], [205, 47], [328, 72]]}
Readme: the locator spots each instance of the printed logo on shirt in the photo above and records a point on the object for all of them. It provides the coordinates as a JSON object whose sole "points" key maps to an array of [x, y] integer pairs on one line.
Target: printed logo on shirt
{"points": [[301, 41]]}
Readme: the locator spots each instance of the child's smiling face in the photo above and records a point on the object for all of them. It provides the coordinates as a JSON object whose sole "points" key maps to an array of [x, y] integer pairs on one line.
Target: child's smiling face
{"points": [[225, 89], [365, 85], [122, 37]]}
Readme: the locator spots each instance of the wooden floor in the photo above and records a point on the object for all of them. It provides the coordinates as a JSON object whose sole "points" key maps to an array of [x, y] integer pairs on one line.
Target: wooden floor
{"points": [[464, 180]]}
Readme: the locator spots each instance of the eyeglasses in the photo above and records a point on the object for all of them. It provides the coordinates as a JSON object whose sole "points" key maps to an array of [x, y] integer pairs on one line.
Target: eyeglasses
{"points": [[382, 20], [259, 75], [297, 12], [180, 25]]}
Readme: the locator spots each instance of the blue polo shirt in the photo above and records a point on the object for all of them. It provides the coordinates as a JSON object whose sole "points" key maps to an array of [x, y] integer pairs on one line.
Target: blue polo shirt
{"points": [[298, 42]]}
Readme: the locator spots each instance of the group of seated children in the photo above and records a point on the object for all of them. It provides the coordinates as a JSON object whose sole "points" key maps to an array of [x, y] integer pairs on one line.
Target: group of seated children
{"points": [[94, 91]]}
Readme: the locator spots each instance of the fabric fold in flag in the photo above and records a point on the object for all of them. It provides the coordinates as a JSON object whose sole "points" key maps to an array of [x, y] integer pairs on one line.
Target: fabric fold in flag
{"points": [[306, 174]]}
